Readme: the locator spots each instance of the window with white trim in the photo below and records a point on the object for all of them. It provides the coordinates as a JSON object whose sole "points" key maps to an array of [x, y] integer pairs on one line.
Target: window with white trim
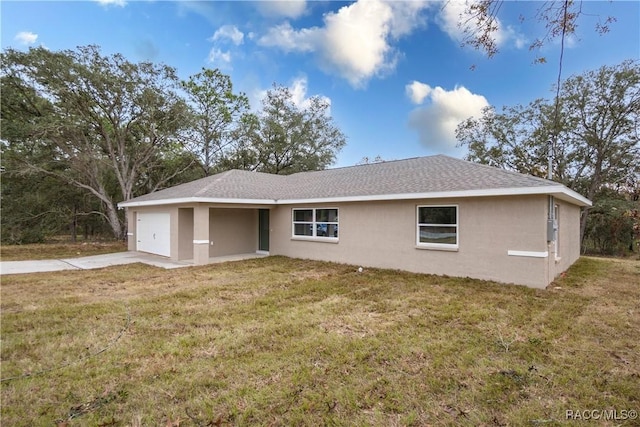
{"points": [[437, 227], [320, 223]]}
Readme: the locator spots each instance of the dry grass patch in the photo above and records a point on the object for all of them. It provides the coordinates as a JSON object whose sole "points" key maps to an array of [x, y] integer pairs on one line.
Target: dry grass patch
{"points": [[59, 250], [277, 341]]}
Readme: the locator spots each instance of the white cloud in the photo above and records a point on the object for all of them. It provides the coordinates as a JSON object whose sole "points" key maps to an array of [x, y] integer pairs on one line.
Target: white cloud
{"points": [[356, 41], [449, 17], [519, 40], [26, 37], [454, 12], [218, 56], [417, 91], [436, 122], [299, 88], [285, 37], [570, 41], [283, 9], [226, 32], [407, 16], [120, 3], [230, 32]]}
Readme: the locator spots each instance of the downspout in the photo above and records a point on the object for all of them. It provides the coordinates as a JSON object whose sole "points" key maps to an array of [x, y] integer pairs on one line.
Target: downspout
{"points": [[550, 217], [551, 223]]}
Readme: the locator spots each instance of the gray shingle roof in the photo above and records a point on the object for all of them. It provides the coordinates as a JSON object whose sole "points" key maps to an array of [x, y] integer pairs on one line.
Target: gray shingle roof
{"points": [[418, 176], [233, 184]]}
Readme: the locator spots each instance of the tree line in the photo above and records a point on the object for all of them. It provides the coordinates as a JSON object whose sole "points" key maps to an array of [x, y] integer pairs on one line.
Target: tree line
{"points": [[592, 129], [82, 131]]}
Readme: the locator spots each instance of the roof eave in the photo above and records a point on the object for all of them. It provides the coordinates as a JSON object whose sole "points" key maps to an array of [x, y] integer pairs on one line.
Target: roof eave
{"points": [[559, 191], [571, 196], [187, 200]]}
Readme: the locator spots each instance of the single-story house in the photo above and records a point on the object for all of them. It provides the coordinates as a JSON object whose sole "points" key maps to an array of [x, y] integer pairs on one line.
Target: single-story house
{"points": [[436, 214]]}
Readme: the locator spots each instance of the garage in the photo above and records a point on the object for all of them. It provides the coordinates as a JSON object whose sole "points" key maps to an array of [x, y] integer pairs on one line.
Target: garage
{"points": [[154, 233]]}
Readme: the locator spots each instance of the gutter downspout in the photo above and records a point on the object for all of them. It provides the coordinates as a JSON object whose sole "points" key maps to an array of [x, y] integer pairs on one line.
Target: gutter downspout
{"points": [[550, 217], [551, 222]]}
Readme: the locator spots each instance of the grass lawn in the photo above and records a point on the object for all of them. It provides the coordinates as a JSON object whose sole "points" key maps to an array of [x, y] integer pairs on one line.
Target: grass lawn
{"points": [[279, 342], [57, 250]]}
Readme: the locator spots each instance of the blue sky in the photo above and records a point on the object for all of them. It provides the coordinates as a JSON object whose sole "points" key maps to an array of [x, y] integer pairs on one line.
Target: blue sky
{"points": [[394, 71]]}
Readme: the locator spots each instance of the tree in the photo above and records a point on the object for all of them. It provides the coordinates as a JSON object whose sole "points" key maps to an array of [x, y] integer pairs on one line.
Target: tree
{"points": [[100, 123], [479, 23], [594, 133], [285, 138], [610, 229], [366, 160], [33, 205], [217, 112]]}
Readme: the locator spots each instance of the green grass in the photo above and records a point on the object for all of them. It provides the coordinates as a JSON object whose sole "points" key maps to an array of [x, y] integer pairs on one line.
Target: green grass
{"points": [[57, 250], [278, 341]]}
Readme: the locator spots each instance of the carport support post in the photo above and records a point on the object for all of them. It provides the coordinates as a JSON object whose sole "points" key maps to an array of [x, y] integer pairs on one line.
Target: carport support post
{"points": [[132, 230], [201, 235]]}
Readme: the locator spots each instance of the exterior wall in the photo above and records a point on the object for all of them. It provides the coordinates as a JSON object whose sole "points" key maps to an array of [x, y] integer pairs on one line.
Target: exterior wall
{"points": [[132, 232], [201, 239], [232, 231], [569, 237], [131, 229], [383, 234], [200, 231], [185, 233], [175, 232]]}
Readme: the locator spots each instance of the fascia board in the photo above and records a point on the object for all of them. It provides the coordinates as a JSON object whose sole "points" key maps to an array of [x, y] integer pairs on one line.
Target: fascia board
{"points": [[187, 200], [571, 196], [560, 191]]}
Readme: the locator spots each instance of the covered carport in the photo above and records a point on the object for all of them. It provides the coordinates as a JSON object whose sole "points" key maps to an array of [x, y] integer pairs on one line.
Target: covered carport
{"points": [[199, 233]]}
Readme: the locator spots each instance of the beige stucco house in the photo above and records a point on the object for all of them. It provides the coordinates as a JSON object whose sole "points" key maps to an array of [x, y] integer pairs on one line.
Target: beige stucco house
{"points": [[434, 214]]}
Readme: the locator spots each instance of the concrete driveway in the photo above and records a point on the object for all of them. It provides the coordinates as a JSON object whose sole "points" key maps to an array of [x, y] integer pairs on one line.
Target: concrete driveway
{"points": [[86, 263]]}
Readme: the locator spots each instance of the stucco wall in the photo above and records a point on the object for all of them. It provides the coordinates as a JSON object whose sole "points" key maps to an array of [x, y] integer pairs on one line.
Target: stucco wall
{"points": [[185, 233], [232, 231], [131, 229], [383, 234], [569, 240]]}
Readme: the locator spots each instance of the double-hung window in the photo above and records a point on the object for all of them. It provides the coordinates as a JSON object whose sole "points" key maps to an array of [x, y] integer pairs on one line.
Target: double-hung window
{"points": [[320, 223], [437, 227]]}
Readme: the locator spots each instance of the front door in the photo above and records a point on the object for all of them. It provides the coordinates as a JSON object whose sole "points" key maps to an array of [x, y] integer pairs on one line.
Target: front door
{"points": [[263, 230]]}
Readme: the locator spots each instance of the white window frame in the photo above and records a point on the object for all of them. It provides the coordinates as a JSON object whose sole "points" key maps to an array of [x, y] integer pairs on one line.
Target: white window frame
{"points": [[314, 225], [442, 246]]}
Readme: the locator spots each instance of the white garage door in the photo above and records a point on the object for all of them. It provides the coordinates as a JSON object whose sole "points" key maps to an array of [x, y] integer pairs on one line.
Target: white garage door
{"points": [[154, 233]]}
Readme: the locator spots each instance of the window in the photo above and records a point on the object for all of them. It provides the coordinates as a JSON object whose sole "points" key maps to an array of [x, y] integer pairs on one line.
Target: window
{"points": [[437, 227], [303, 222], [315, 223]]}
